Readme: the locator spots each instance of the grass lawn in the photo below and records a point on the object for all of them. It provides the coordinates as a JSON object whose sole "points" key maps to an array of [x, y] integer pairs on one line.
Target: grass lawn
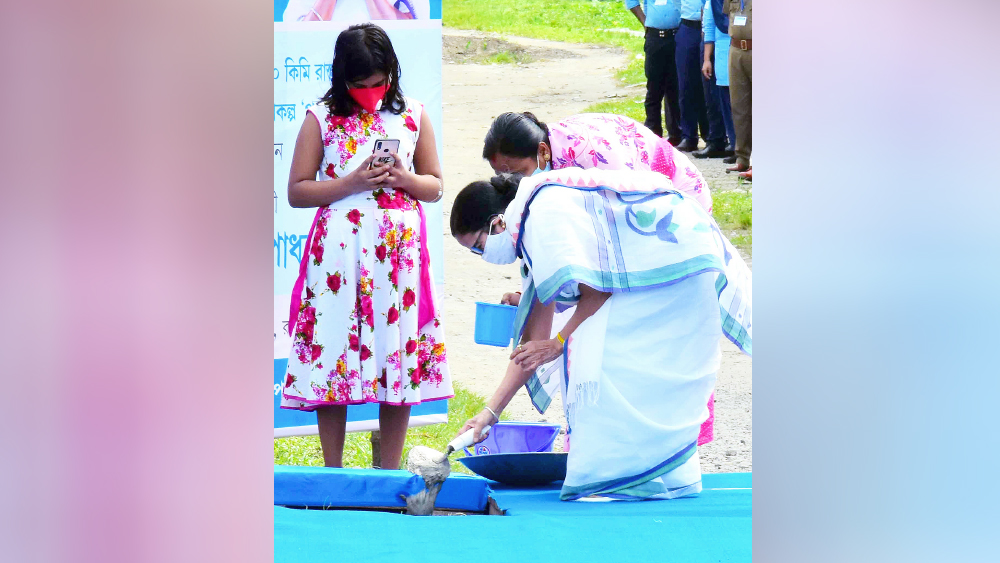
{"points": [[574, 21], [733, 211], [507, 57], [305, 450], [629, 107]]}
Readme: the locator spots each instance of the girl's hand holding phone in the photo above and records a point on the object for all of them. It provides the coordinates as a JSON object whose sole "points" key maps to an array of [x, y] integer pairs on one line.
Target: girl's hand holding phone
{"points": [[399, 177], [364, 180]]}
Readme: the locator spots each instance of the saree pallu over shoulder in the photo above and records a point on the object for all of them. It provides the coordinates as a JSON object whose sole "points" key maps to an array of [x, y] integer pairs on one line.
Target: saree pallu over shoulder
{"points": [[619, 232], [615, 142], [624, 231]]}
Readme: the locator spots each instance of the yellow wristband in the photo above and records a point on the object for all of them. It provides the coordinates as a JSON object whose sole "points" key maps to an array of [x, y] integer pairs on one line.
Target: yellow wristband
{"points": [[559, 337]]}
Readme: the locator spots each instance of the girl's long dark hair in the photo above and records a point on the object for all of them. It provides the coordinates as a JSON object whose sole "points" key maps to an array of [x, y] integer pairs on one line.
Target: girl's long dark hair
{"points": [[361, 51]]}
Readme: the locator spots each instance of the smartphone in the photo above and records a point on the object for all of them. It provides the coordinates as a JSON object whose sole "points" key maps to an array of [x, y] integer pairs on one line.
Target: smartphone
{"points": [[383, 152]]}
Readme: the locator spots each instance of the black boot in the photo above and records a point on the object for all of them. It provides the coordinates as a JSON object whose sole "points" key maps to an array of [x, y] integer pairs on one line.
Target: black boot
{"points": [[687, 145], [712, 151]]}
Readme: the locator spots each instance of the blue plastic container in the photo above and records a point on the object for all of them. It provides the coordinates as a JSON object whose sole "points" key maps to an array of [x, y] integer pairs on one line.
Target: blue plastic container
{"points": [[517, 437], [494, 324]]}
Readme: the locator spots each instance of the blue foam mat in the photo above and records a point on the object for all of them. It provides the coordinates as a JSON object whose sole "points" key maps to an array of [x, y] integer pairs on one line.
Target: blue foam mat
{"points": [[723, 495], [714, 526], [330, 487]]}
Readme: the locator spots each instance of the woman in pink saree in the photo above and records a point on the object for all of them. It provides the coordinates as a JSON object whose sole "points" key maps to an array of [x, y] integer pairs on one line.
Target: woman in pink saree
{"points": [[519, 142]]}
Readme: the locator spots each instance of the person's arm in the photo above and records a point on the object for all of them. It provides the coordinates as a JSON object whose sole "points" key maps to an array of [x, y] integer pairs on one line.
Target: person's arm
{"points": [[634, 7], [639, 15], [539, 350], [708, 23], [539, 322], [707, 68], [304, 190], [321, 10], [425, 182]]}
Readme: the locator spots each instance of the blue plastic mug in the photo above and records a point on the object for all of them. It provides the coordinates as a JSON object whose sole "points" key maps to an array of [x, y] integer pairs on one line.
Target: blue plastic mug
{"points": [[494, 324]]}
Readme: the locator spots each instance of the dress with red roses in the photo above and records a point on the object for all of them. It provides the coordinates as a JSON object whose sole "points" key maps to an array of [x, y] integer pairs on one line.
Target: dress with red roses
{"points": [[357, 338]]}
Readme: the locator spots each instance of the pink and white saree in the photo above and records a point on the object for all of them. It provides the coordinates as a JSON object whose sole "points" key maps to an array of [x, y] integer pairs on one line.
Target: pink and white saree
{"points": [[616, 142]]}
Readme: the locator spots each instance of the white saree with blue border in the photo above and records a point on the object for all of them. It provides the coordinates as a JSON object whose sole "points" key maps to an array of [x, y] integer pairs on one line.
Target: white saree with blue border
{"points": [[637, 374]]}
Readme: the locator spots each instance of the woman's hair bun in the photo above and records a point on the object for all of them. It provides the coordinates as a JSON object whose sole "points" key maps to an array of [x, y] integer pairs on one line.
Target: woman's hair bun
{"points": [[480, 201], [506, 183]]}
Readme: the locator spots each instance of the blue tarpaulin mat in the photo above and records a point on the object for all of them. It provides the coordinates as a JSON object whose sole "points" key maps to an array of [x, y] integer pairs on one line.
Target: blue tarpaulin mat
{"points": [[714, 526]]}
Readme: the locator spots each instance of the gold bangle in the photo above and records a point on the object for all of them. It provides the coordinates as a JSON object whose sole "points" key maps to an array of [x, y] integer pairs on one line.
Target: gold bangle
{"points": [[559, 337]]}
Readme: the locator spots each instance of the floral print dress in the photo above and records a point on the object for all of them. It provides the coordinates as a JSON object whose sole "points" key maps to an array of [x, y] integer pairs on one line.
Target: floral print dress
{"points": [[357, 337], [615, 142]]}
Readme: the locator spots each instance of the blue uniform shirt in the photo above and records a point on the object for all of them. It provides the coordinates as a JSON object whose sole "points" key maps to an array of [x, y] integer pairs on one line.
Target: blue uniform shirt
{"points": [[661, 14], [691, 9]]}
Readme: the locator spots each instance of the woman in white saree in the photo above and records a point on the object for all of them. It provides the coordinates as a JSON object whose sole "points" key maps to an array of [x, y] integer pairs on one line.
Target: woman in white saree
{"points": [[654, 284]]}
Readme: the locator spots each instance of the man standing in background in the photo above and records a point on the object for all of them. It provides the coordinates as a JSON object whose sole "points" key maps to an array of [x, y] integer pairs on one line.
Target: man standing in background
{"points": [[715, 50], [740, 79], [661, 19], [692, 96]]}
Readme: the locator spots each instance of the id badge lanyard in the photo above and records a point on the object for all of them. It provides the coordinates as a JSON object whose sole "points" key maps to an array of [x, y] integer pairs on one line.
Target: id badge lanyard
{"points": [[741, 19]]}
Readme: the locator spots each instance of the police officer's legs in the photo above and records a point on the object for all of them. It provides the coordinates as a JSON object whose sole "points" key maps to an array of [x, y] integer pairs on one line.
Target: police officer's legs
{"points": [[727, 114], [740, 89], [748, 61], [703, 127], [653, 49], [661, 82], [672, 112], [715, 139], [692, 97]]}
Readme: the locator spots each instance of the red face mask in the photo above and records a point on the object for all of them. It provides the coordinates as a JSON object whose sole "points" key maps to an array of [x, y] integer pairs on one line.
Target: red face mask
{"points": [[369, 98]]}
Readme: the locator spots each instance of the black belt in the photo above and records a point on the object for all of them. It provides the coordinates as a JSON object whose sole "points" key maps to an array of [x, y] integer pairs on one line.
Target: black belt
{"points": [[661, 32], [692, 23]]}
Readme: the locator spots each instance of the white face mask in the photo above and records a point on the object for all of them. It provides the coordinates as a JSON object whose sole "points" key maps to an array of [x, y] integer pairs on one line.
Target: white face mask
{"points": [[499, 247]]}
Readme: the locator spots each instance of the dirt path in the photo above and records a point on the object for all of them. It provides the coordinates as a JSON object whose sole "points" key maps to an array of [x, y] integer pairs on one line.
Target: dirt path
{"points": [[561, 79]]}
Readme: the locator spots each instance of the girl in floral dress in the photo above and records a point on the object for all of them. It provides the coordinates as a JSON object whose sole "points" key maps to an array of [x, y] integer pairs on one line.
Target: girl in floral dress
{"points": [[363, 318]]}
